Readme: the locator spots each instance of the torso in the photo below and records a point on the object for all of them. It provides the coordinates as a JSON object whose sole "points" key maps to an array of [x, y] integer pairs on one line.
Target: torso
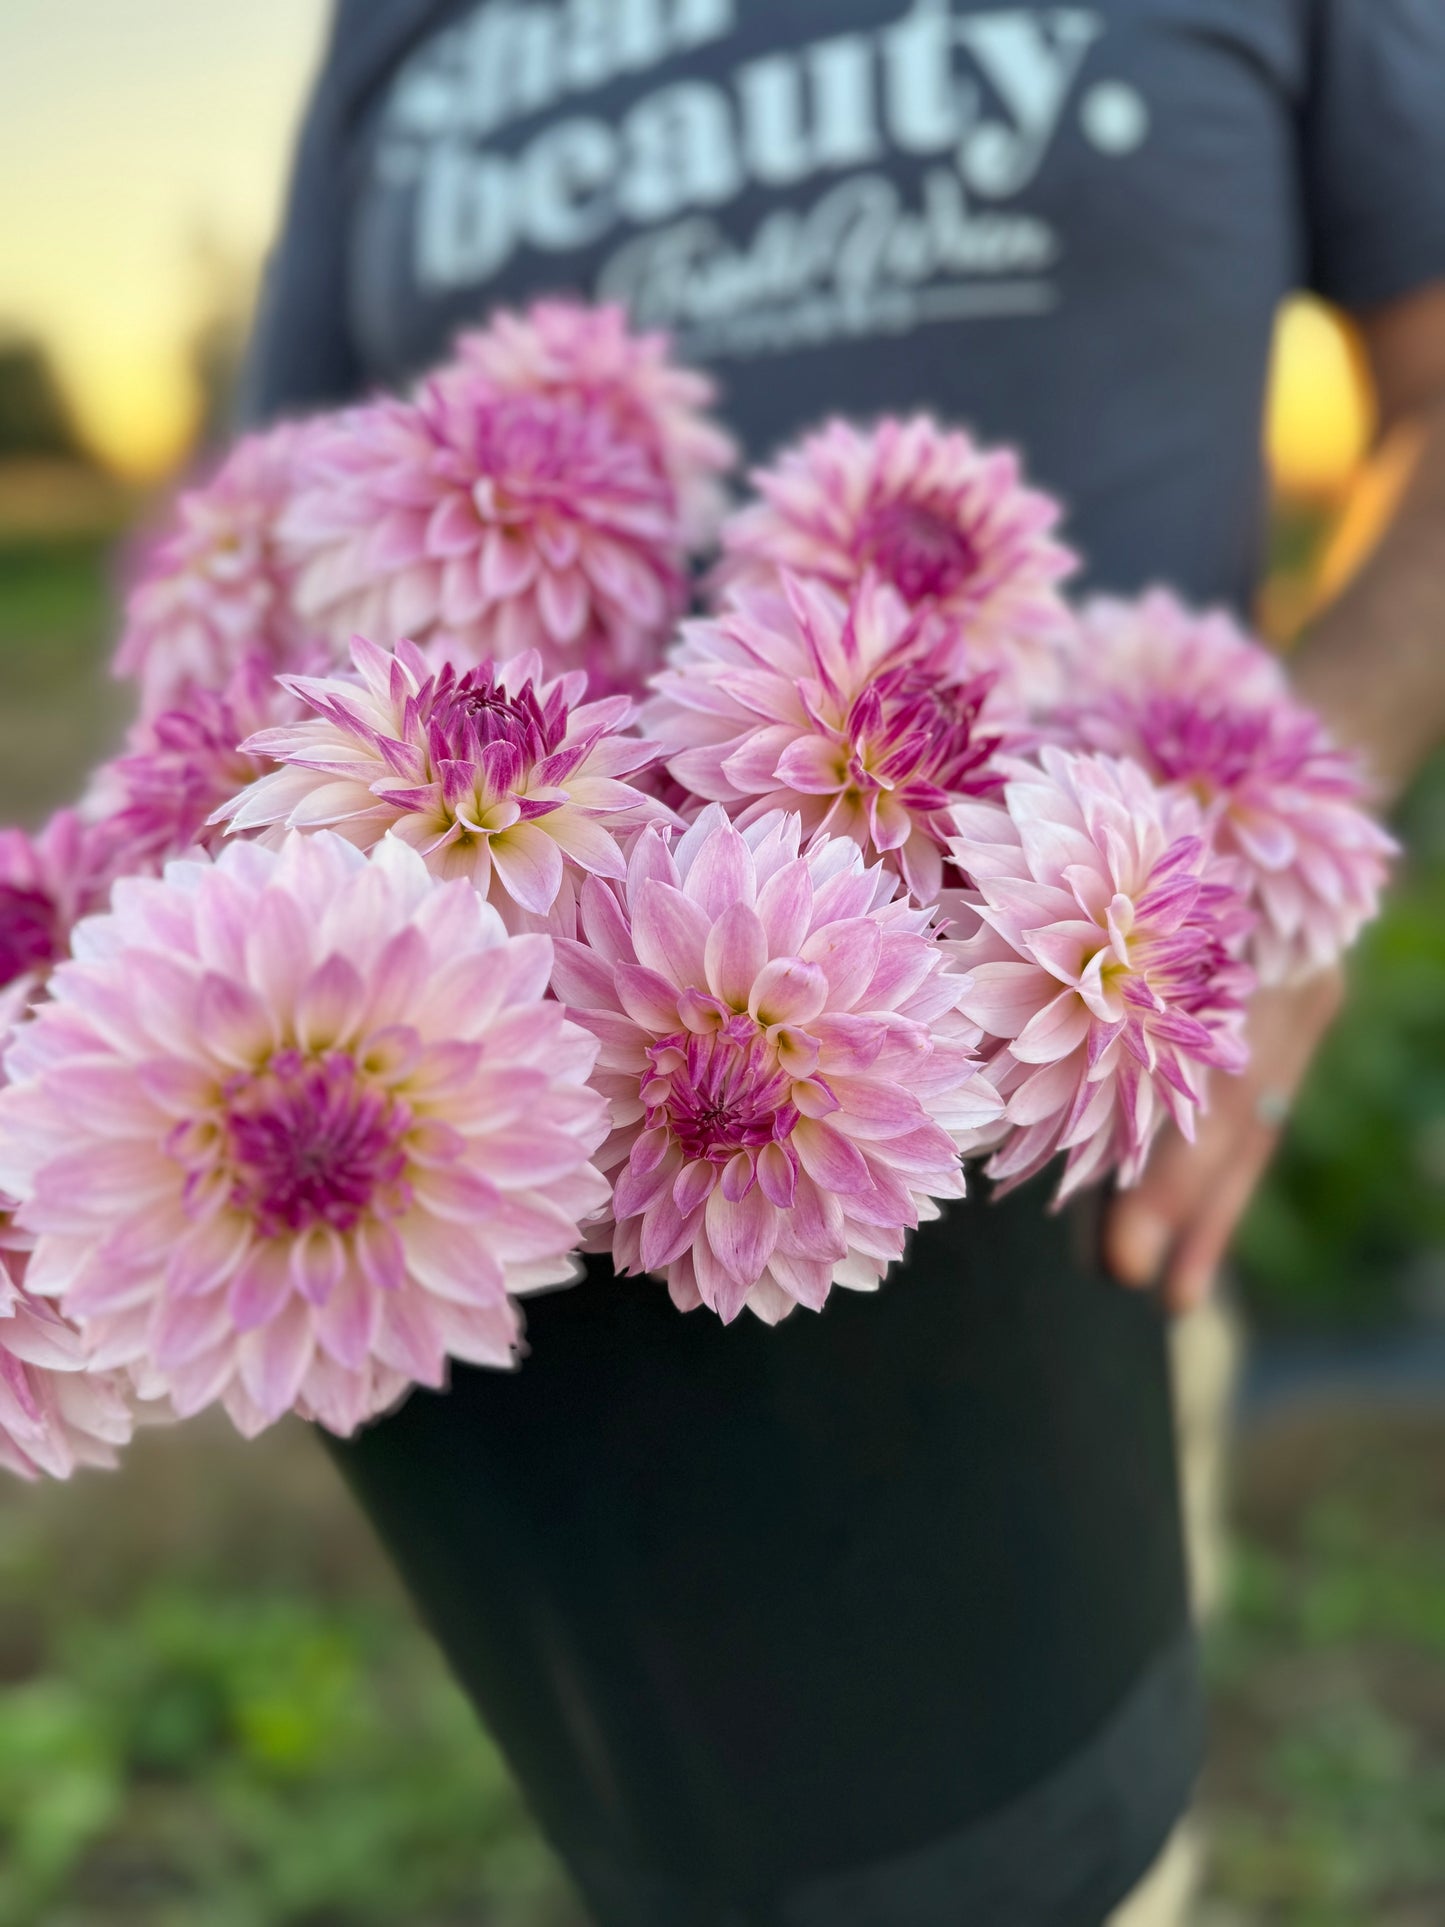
{"points": [[1067, 226]]}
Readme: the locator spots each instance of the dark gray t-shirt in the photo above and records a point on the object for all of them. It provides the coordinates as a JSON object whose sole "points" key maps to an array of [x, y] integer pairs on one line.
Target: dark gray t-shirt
{"points": [[1067, 226]]}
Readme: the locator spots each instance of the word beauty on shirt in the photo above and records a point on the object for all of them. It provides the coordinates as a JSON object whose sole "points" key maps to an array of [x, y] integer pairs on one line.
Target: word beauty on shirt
{"points": [[985, 91]]}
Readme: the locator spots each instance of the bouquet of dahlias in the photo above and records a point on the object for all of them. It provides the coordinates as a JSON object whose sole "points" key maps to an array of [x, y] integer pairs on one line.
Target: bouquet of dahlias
{"points": [[462, 902]]}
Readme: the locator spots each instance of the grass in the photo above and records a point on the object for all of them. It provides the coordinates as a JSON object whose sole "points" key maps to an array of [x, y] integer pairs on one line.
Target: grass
{"points": [[59, 714], [1327, 1777], [217, 1711]]}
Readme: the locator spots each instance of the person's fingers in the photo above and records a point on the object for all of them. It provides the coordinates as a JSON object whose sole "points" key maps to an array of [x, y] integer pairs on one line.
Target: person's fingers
{"points": [[1205, 1239], [1177, 1222], [1142, 1225], [1137, 1238]]}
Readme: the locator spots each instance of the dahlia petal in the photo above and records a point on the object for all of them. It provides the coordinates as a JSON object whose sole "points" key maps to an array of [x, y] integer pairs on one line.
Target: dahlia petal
{"points": [[814, 1228], [235, 1021], [330, 1005], [735, 953], [777, 1176], [828, 1157], [184, 1328], [847, 953], [261, 1286], [317, 1262], [785, 906], [1053, 1032], [670, 932], [666, 1232], [529, 864], [692, 1186], [787, 990], [741, 1233]]}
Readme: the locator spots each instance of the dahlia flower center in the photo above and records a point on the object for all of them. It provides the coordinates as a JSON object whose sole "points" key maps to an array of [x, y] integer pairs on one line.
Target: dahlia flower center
{"points": [[920, 552], [475, 712], [1205, 751], [719, 1093], [909, 724], [29, 932], [311, 1143]]}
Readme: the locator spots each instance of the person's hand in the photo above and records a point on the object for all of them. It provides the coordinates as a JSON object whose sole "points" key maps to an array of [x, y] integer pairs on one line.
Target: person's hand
{"points": [[1176, 1224]]}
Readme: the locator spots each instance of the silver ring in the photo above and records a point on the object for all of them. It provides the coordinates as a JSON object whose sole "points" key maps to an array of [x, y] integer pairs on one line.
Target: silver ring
{"points": [[1272, 1109]]}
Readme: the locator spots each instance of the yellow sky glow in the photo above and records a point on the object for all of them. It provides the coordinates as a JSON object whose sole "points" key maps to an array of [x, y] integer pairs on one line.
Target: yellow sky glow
{"points": [[129, 129]]}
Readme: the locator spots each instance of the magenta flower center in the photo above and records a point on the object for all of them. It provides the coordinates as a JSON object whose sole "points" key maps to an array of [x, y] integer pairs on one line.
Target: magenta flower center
{"points": [[1213, 752], [312, 1143], [908, 725], [720, 1093], [29, 931], [541, 453], [470, 713], [1185, 938], [922, 553]]}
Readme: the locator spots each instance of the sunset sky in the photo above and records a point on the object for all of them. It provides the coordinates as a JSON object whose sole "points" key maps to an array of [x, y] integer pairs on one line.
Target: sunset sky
{"points": [[128, 130], [132, 129]]}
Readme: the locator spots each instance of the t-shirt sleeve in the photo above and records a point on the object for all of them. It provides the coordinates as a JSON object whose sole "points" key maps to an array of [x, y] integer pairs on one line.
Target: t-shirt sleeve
{"points": [[1374, 149], [300, 354]]}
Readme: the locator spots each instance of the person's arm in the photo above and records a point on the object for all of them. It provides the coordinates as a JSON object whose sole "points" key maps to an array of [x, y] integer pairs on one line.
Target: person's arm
{"points": [[1373, 664]]}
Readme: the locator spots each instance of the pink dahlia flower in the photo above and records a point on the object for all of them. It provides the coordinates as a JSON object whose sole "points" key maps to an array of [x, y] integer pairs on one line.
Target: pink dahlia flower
{"points": [[47, 881], [55, 1413], [491, 774], [496, 523], [791, 1082], [850, 713], [1208, 712], [183, 764], [567, 349], [948, 525], [217, 589], [1103, 945], [293, 1127]]}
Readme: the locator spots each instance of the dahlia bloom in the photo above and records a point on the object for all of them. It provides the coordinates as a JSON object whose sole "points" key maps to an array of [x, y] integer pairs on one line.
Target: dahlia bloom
{"points": [[183, 764], [791, 1082], [47, 881], [1102, 938], [217, 588], [1208, 712], [847, 712], [55, 1414], [495, 523], [292, 1128], [495, 775], [565, 348], [948, 525]]}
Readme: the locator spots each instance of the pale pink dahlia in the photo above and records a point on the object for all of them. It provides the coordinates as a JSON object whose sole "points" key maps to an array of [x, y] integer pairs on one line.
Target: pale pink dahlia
{"points": [[949, 525], [849, 712], [55, 1413], [181, 765], [216, 588], [1208, 712], [496, 775], [47, 881], [293, 1127], [791, 1082], [1102, 936], [565, 348], [494, 522]]}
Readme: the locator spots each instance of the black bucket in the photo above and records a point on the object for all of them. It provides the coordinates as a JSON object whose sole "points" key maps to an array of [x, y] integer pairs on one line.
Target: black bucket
{"points": [[875, 1619]]}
